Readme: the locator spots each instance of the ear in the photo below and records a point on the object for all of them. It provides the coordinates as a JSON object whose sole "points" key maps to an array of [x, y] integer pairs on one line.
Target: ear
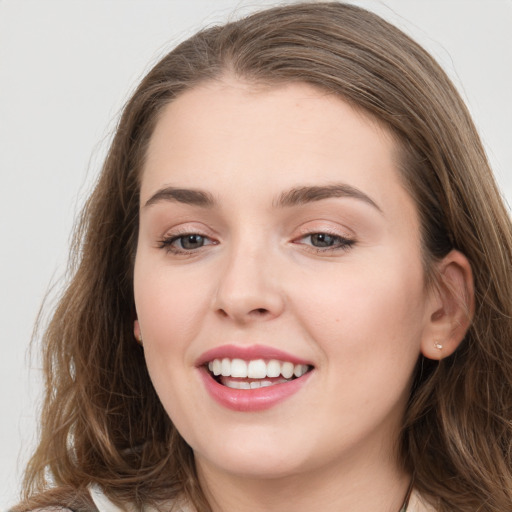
{"points": [[136, 331], [451, 307]]}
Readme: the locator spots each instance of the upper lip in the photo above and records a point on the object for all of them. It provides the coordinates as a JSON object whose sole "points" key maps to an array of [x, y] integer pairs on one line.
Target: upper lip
{"points": [[248, 353]]}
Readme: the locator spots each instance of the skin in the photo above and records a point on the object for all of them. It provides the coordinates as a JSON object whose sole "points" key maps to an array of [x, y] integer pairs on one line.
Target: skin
{"points": [[360, 313]]}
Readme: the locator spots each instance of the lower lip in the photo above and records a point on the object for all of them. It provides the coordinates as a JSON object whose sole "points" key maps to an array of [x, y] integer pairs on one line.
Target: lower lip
{"points": [[251, 400]]}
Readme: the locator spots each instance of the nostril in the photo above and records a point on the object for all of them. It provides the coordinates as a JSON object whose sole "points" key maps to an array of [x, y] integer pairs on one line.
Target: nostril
{"points": [[261, 311]]}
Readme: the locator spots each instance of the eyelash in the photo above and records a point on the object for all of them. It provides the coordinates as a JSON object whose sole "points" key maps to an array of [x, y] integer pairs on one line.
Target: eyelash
{"points": [[340, 243], [168, 243]]}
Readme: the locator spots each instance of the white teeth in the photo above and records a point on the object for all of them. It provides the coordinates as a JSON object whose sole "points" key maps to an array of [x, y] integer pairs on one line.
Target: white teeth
{"points": [[273, 368], [256, 369], [263, 383], [216, 367], [238, 368], [238, 384], [287, 370], [226, 367], [255, 384], [299, 370]]}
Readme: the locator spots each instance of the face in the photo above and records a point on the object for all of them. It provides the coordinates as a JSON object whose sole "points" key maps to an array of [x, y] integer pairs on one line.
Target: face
{"points": [[278, 279]]}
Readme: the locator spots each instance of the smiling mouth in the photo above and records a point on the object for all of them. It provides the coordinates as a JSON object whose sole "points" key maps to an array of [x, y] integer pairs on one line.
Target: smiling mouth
{"points": [[255, 373]]}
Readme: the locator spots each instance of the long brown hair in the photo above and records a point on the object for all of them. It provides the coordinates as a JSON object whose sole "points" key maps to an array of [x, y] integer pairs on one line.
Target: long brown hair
{"points": [[102, 421]]}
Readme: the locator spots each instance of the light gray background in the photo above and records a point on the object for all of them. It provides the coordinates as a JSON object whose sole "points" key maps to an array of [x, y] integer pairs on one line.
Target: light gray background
{"points": [[67, 67]]}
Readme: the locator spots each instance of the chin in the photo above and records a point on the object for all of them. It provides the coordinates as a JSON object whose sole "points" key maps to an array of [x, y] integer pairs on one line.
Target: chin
{"points": [[255, 467], [263, 459]]}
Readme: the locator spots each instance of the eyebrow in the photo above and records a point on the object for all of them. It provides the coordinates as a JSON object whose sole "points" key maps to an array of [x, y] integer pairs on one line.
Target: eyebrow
{"points": [[302, 195], [293, 197], [182, 195]]}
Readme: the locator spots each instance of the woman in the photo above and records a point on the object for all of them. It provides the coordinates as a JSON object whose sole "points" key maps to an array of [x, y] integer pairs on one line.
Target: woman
{"points": [[297, 223]]}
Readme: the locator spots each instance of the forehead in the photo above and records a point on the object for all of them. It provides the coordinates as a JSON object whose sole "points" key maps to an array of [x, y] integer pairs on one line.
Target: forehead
{"points": [[271, 138], [296, 109]]}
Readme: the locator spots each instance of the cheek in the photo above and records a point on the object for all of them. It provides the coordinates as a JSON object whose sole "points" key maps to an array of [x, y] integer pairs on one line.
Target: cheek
{"points": [[366, 313], [169, 306], [368, 327]]}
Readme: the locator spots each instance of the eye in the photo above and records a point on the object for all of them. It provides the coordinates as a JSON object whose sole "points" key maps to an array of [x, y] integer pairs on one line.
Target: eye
{"points": [[185, 243], [189, 242], [326, 242], [323, 240]]}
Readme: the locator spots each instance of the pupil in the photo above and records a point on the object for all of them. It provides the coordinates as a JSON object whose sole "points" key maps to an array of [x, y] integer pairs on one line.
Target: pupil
{"points": [[192, 241], [322, 240]]}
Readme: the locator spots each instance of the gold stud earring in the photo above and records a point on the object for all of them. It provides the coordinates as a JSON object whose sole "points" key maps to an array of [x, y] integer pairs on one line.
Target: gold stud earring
{"points": [[139, 339], [438, 345]]}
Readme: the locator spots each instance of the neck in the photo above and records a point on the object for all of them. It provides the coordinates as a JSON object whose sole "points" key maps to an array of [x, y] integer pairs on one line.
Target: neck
{"points": [[379, 485]]}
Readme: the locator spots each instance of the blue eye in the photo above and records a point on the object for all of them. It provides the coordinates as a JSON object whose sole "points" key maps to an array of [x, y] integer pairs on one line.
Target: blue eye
{"points": [[189, 242], [185, 244], [325, 242]]}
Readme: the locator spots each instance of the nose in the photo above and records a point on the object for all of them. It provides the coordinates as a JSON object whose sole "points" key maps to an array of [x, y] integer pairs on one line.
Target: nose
{"points": [[249, 289]]}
